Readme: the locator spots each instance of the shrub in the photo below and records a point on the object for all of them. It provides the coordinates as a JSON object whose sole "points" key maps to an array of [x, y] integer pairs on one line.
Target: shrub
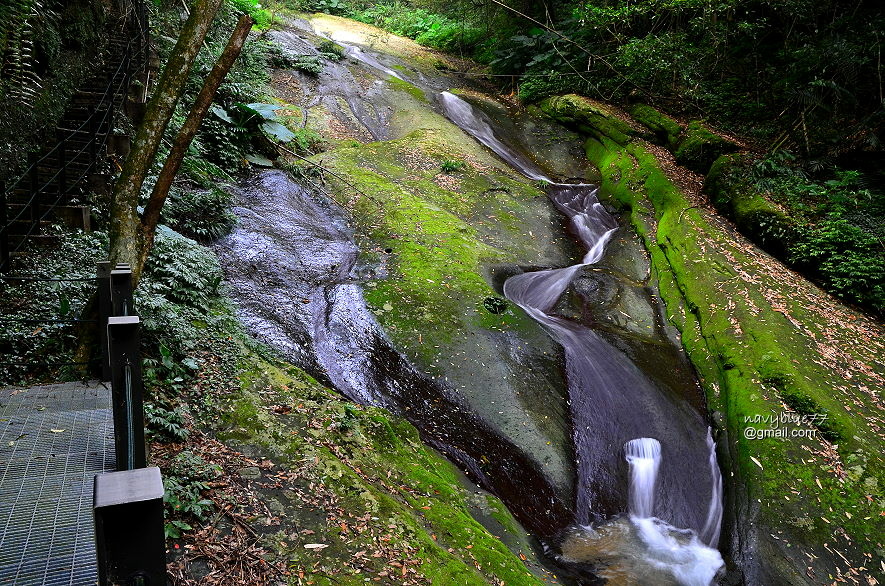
{"points": [[201, 214], [181, 271], [331, 50], [263, 18], [309, 64], [848, 260]]}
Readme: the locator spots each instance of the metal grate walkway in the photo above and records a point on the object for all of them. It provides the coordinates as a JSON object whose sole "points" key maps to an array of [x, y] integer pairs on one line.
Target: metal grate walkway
{"points": [[53, 440]]}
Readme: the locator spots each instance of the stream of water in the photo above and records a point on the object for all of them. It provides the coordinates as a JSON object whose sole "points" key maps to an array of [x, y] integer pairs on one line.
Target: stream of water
{"points": [[614, 405], [647, 505]]}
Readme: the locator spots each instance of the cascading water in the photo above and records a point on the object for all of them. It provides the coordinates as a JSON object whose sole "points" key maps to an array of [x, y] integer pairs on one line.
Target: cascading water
{"points": [[679, 553], [612, 402], [644, 458]]}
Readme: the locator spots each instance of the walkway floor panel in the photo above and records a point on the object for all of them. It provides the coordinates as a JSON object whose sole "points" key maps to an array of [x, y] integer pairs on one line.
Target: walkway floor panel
{"points": [[53, 440]]}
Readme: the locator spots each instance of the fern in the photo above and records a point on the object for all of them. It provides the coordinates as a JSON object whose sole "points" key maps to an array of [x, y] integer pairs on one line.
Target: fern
{"points": [[22, 21]]}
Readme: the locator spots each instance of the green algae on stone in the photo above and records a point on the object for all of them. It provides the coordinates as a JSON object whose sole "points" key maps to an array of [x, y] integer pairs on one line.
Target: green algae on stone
{"points": [[410, 88], [732, 194], [748, 328], [665, 129], [587, 116], [699, 148], [380, 494]]}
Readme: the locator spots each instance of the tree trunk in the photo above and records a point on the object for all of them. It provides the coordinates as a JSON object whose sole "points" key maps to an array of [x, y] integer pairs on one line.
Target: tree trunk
{"points": [[186, 134], [125, 226]]}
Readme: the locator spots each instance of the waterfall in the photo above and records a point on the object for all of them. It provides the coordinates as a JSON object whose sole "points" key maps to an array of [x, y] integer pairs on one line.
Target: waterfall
{"points": [[644, 458], [710, 533], [611, 397]]}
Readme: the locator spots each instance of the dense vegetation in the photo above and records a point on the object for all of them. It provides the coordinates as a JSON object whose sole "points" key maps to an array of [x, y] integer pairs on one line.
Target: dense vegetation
{"points": [[799, 81]]}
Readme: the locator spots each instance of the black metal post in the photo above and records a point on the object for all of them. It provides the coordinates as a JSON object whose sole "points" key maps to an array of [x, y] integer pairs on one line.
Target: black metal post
{"points": [[4, 230], [124, 341], [33, 203], [121, 290], [103, 278], [128, 515]]}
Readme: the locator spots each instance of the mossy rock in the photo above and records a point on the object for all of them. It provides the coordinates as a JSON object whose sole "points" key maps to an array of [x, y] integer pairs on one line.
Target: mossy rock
{"points": [[756, 217], [387, 484], [754, 333], [666, 131], [588, 117], [699, 148]]}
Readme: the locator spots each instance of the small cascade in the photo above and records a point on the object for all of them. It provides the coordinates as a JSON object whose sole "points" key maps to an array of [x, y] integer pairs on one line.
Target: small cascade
{"points": [[710, 532], [360, 55], [611, 398], [478, 125], [644, 458]]}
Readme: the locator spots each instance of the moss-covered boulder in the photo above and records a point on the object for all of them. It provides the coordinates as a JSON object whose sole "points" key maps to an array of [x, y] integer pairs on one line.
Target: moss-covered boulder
{"points": [[353, 492], [666, 131], [756, 217], [700, 147], [790, 377], [587, 116]]}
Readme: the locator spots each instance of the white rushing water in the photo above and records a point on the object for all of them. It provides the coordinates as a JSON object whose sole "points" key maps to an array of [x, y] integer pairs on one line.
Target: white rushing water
{"points": [[644, 458], [648, 548], [678, 552]]}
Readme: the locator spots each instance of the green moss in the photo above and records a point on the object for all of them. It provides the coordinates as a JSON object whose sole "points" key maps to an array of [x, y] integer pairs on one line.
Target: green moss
{"points": [[759, 219], [587, 116], [665, 129], [752, 339], [374, 467], [700, 147], [440, 238], [408, 87]]}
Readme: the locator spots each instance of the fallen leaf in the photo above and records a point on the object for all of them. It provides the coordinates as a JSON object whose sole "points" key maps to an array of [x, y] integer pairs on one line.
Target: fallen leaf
{"points": [[316, 545], [757, 462]]}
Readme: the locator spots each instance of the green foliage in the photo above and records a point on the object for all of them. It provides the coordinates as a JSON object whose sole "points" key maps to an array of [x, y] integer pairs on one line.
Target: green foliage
{"points": [[181, 271], [176, 298], [452, 166], [261, 16], [336, 7], [183, 501], [834, 224], [42, 344], [163, 423], [203, 215], [432, 29], [309, 64], [220, 148], [848, 260], [495, 305], [306, 140], [185, 481], [543, 84], [331, 50]]}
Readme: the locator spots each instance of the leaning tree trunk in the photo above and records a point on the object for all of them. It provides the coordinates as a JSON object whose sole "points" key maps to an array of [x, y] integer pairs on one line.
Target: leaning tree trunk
{"points": [[186, 134], [125, 225]]}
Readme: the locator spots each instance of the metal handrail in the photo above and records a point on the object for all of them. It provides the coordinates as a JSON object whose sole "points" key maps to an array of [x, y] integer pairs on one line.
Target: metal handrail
{"points": [[97, 124], [121, 68]]}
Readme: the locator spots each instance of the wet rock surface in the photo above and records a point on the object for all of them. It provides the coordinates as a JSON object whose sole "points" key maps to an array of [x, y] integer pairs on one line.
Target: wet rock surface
{"points": [[321, 284]]}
